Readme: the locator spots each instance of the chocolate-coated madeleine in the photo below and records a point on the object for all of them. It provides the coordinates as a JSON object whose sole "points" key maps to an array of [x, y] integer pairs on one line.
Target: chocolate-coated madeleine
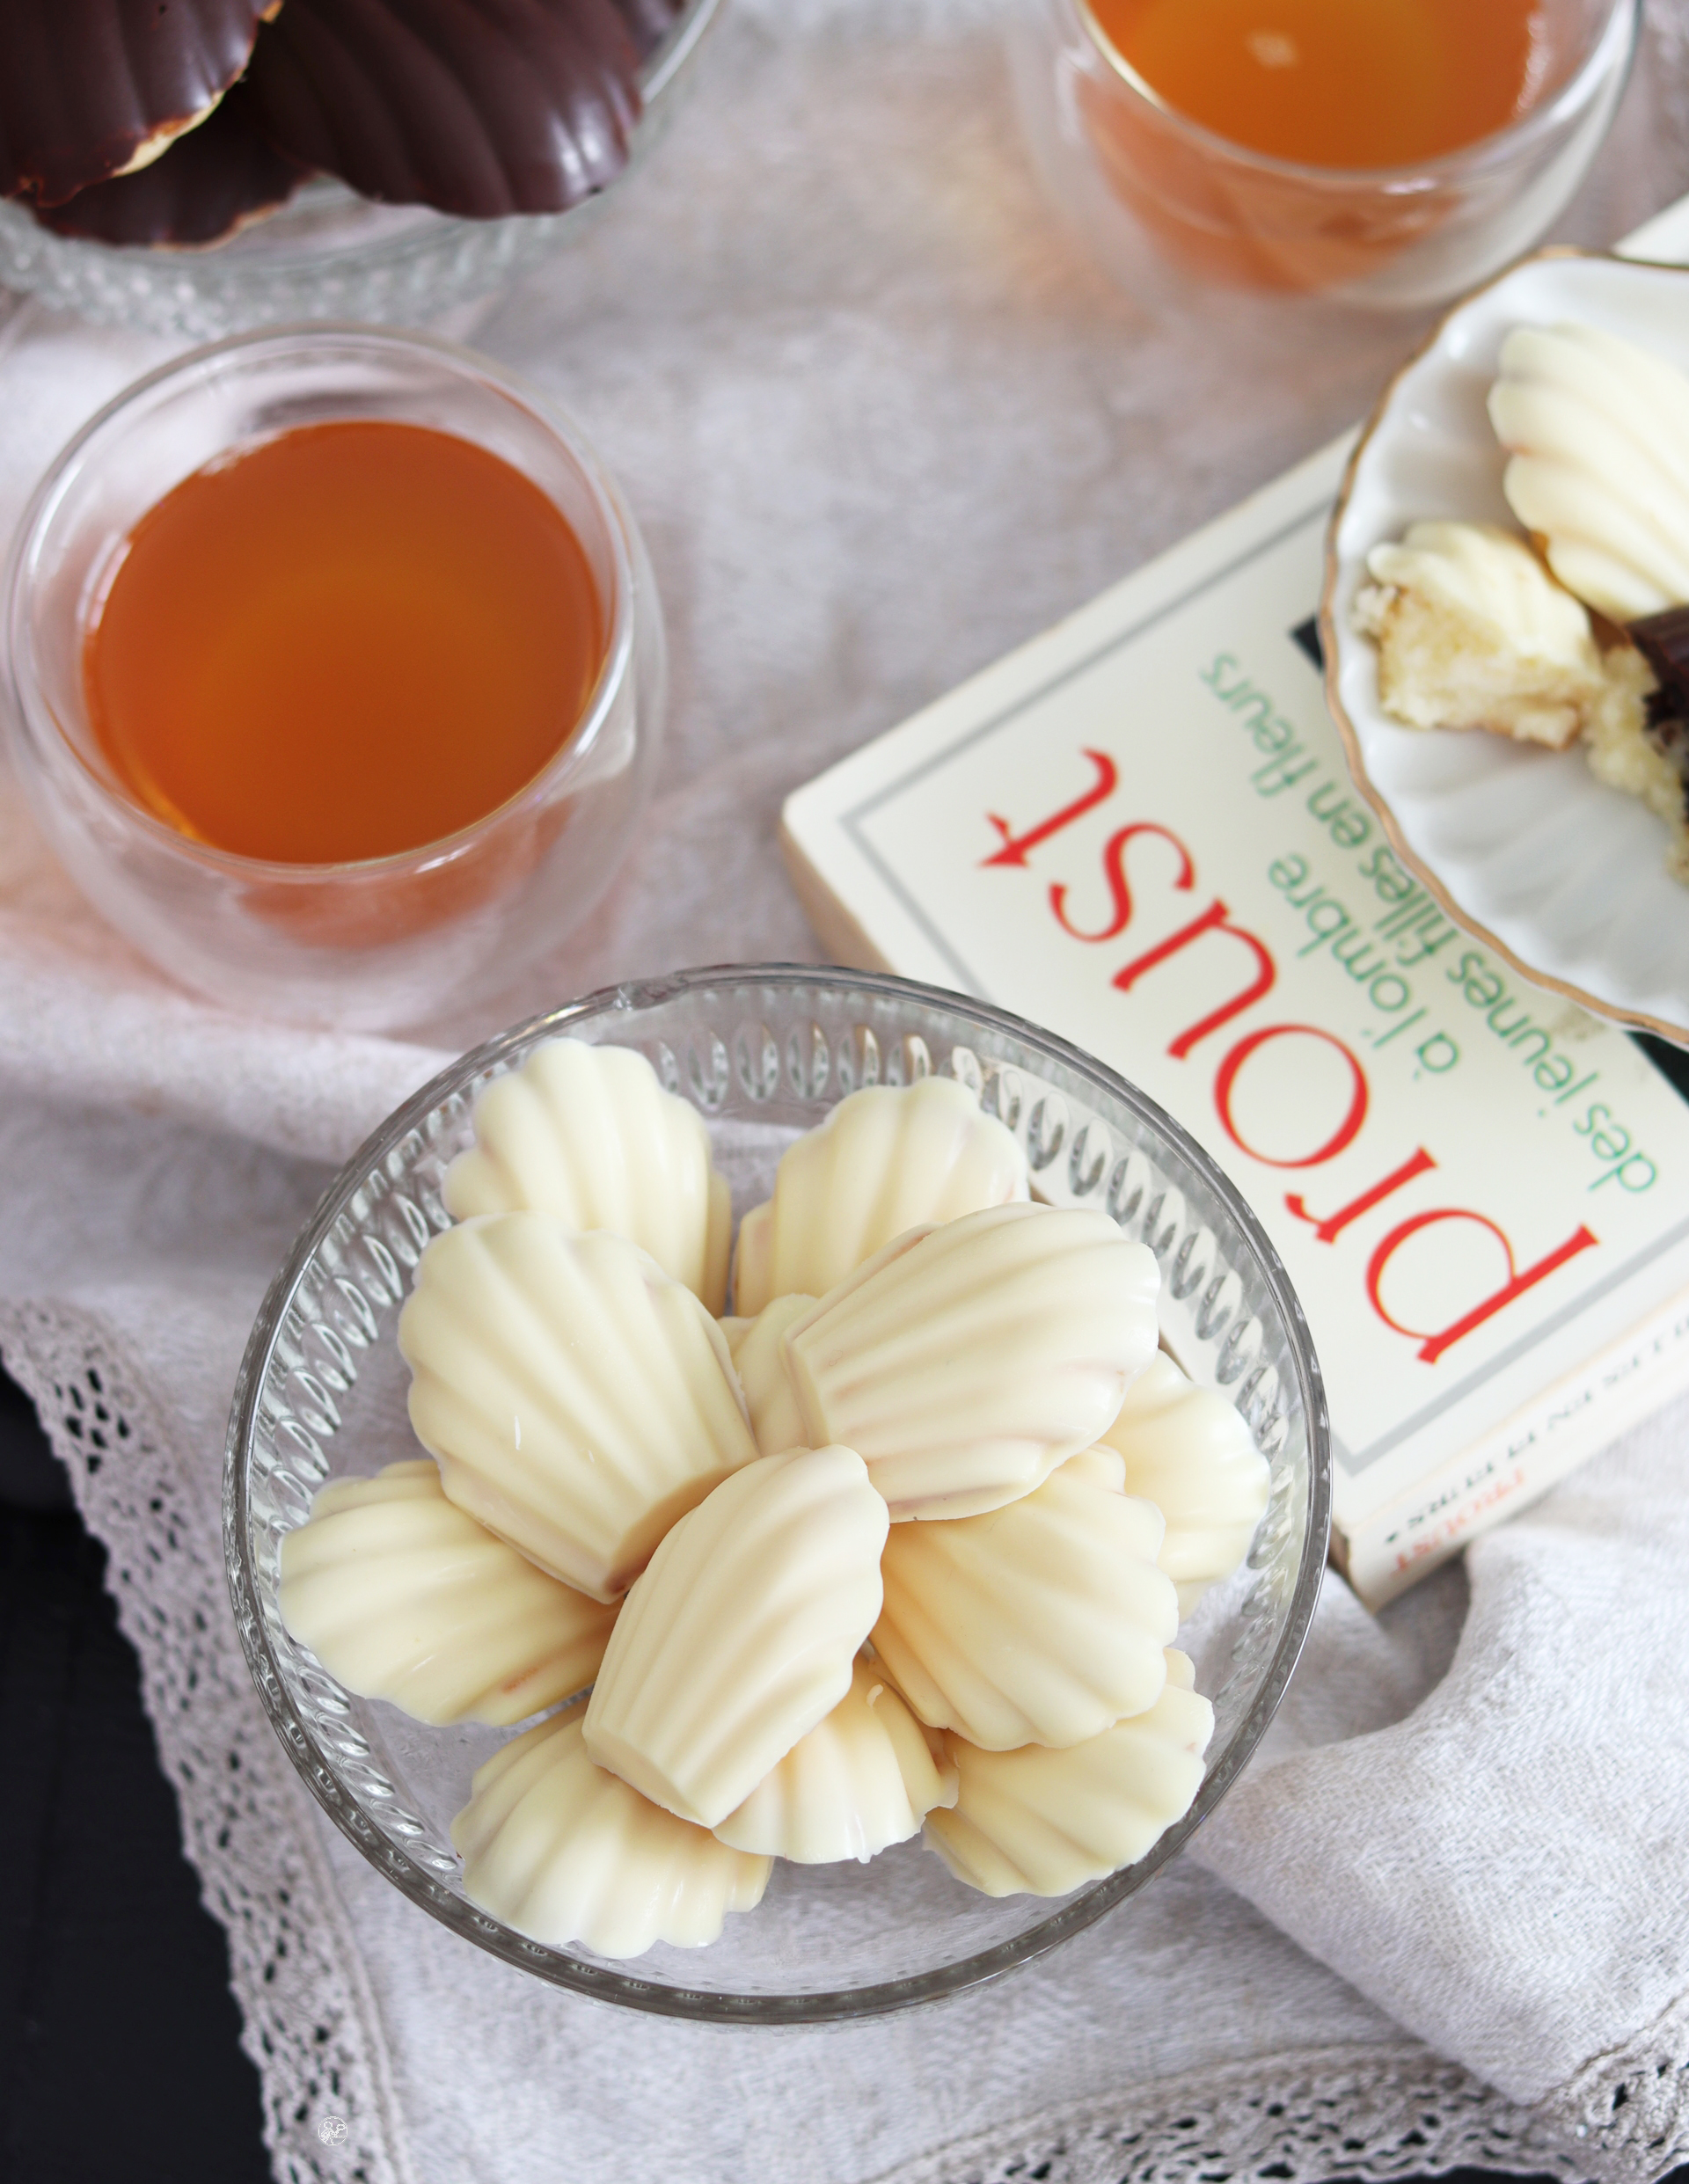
{"points": [[216, 179], [477, 107], [102, 88]]}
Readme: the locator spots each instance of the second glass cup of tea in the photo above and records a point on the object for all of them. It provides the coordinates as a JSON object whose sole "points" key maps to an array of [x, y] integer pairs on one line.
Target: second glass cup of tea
{"points": [[1138, 116]]}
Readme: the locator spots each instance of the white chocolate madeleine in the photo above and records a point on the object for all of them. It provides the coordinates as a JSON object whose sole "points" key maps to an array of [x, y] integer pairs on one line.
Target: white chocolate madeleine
{"points": [[563, 1852], [1473, 632], [1191, 1452], [1036, 1623], [1598, 433], [759, 1360], [740, 1635], [753, 1289], [963, 1362], [888, 1158], [578, 1399], [587, 1132], [402, 1595], [1040, 1822], [863, 1777]]}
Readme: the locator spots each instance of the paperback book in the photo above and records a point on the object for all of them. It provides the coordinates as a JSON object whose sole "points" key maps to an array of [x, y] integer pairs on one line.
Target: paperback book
{"points": [[1138, 829]]}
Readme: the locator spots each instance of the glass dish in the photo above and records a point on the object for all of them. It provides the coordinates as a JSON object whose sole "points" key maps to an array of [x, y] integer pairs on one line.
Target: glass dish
{"points": [[1162, 201], [763, 1052], [367, 945], [327, 253]]}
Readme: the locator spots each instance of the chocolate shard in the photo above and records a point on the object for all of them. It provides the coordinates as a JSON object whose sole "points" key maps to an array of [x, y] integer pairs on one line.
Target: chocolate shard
{"points": [[89, 88], [477, 107], [209, 183], [1663, 639]]}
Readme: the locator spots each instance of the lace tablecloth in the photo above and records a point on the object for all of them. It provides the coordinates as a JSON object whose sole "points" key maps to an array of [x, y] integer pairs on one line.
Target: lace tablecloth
{"points": [[879, 421]]}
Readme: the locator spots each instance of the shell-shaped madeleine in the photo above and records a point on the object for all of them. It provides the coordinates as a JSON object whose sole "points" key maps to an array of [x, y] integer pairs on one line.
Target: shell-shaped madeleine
{"points": [[1037, 1623], [862, 1778], [579, 1400], [563, 1852], [759, 1359], [1039, 1823], [1190, 1452], [964, 1363], [402, 1596], [753, 1289], [740, 1636], [887, 1159], [589, 1134]]}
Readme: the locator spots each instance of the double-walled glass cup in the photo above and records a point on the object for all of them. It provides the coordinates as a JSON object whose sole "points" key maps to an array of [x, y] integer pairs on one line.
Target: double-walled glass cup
{"points": [[387, 940], [1163, 201]]}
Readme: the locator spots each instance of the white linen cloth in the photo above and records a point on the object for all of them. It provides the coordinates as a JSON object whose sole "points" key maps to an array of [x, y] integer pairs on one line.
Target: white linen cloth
{"points": [[879, 421]]}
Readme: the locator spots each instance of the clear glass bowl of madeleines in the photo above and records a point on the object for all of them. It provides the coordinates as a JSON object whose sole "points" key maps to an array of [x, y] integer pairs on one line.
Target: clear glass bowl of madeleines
{"points": [[776, 1495]]}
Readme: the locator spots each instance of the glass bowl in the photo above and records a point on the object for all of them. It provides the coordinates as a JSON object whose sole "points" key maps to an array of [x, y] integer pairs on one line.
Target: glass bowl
{"points": [[365, 945], [1162, 200], [763, 1052], [327, 253]]}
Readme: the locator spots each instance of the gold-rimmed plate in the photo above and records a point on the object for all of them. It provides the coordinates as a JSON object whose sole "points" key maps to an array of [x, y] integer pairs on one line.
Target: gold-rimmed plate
{"points": [[1563, 878]]}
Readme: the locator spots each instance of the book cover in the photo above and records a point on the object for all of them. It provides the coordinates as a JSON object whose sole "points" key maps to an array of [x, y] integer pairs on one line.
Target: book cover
{"points": [[1138, 829]]}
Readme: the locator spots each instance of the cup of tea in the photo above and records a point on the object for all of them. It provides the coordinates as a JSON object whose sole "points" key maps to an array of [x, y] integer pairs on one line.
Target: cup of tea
{"points": [[1386, 155], [334, 672]]}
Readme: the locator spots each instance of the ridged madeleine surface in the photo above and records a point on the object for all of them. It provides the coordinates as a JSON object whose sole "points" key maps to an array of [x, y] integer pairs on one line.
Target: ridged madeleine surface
{"points": [[589, 1134], [864, 1778], [887, 1159], [563, 1852], [578, 1400], [963, 1362], [1191, 1452], [759, 1359], [753, 1290], [1598, 432], [1039, 1823], [740, 1635], [1040, 1623], [102, 88], [402, 1595]]}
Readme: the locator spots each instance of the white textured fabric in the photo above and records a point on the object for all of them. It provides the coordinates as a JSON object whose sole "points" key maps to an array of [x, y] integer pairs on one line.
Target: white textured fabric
{"points": [[879, 422]]}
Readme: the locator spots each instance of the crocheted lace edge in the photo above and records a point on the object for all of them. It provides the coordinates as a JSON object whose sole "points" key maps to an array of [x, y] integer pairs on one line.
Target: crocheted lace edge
{"points": [[312, 2028]]}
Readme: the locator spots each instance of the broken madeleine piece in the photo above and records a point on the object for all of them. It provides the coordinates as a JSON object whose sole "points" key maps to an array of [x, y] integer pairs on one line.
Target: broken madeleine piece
{"points": [[1041, 1823], [1191, 1453], [563, 1852], [587, 1132], [402, 1595], [964, 1363], [1473, 632], [1037, 1623], [740, 1636], [863, 1777], [577, 1397]]}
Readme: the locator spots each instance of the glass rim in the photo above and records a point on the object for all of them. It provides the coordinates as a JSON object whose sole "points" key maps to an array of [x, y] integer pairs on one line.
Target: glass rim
{"points": [[1621, 22], [33, 716], [626, 1989]]}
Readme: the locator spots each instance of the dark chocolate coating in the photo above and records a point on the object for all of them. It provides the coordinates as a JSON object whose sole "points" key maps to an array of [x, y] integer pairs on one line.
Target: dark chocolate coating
{"points": [[210, 182], [84, 83], [477, 107]]}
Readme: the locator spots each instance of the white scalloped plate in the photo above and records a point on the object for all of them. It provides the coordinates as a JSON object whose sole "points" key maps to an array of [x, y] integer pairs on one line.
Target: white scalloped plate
{"points": [[1563, 877]]}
